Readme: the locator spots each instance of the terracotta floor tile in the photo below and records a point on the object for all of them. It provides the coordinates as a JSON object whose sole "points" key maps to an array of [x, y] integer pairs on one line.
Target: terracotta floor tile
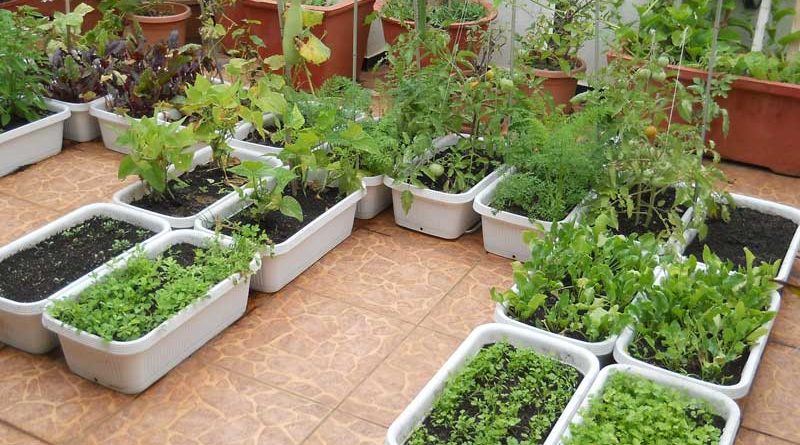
{"points": [[18, 217], [11, 436], [403, 277], [794, 276], [203, 404], [773, 402], [786, 329], [469, 304], [307, 344], [400, 377], [382, 223], [66, 182], [750, 437], [762, 183], [343, 429], [42, 396]]}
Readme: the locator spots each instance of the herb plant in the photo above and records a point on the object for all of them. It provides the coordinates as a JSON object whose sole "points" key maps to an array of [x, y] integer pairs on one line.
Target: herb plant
{"points": [[632, 410], [533, 390], [580, 280], [702, 323], [439, 14], [267, 196]]}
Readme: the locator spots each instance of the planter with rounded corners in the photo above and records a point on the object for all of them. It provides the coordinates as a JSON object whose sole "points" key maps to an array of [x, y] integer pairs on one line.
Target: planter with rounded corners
{"points": [[112, 126], [21, 323], [502, 231], [81, 126], [378, 197], [132, 366], [139, 189], [586, 363], [33, 142], [158, 28], [722, 405], [283, 262], [242, 132]]}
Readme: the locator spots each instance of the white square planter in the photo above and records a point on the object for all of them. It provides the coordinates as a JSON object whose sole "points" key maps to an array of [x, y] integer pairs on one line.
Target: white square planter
{"points": [[132, 366], [502, 231], [138, 189], [21, 323], [723, 405], [378, 198], [33, 142], [283, 262], [81, 126], [770, 208], [405, 424], [112, 125]]}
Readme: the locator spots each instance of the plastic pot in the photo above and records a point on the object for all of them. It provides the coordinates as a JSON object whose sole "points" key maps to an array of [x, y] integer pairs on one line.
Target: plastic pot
{"points": [[157, 28], [560, 85], [34, 141], [81, 125]]}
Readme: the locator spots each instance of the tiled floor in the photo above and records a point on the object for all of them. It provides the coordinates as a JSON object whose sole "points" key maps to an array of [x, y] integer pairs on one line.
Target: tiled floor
{"points": [[332, 358]]}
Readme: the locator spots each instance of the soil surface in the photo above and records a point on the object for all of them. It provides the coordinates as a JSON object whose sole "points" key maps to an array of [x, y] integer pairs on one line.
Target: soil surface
{"points": [[280, 227], [183, 253], [440, 182], [732, 370], [195, 191], [17, 122], [541, 312], [37, 272], [255, 138], [767, 236], [628, 226]]}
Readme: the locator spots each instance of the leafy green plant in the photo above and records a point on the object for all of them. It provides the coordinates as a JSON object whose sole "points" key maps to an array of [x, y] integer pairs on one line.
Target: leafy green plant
{"points": [[703, 322], [439, 14], [503, 395], [632, 410], [154, 147], [267, 196], [300, 45], [112, 24], [132, 301], [580, 280], [23, 73]]}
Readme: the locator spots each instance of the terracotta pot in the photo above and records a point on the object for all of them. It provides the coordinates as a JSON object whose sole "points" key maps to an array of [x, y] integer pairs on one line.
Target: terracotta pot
{"points": [[193, 24], [336, 31], [392, 28], [763, 122], [158, 28], [46, 7], [559, 84], [90, 19]]}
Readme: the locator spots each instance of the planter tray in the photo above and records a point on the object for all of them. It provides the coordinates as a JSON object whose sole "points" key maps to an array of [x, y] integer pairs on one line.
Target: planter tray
{"points": [[33, 142], [81, 125]]}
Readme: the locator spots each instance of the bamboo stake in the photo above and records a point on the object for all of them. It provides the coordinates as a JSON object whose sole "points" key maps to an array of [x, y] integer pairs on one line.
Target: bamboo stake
{"points": [[712, 61], [761, 25], [355, 40]]}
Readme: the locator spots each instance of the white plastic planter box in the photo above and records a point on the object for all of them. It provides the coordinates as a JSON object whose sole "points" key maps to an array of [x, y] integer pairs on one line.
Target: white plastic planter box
{"points": [[770, 208], [132, 366], [33, 142], [138, 189], [378, 197], [402, 428], [242, 132], [21, 323], [112, 125], [735, 390], [502, 231], [722, 405], [166, 118], [81, 126], [283, 262]]}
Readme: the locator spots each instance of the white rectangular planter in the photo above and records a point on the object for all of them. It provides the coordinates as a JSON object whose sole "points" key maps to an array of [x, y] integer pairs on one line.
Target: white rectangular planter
{"points": [[132, 366], [402, 428], [243, 131], [735, 390], [21, 323], [81, 126], [770, 208], [378, 198], [502, 231], [33, 142], [138, 189], [285, 261], [112, 125], [722, 405]]}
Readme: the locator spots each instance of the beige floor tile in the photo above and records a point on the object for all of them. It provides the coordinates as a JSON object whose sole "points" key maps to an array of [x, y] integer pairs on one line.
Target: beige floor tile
{"points": [[307, 344], [762, 183], [42, 396], [773, 401], [469, 303], [18, 217], [400, 377], [11, 436], [340, 429], [402, 277], [786, 329], [750, 437], [203, 404]]}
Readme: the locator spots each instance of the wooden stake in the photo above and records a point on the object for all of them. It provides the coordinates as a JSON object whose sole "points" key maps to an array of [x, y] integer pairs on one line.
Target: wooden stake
{"points": [[761, 25]]}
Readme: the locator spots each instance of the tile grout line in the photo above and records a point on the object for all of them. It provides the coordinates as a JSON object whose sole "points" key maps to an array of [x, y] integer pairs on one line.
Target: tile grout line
{"points": [[24, 432], [742, 427]]}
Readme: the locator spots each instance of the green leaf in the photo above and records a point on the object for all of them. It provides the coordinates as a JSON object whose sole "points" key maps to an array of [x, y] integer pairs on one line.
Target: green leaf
{"points": [[291, 208], [406, 198], [314, 51]]}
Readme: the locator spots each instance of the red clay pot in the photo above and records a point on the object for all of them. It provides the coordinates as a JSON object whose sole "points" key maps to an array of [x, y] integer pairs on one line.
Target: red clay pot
{"points": [[90, 19], [392, 28], [158, 28], [336, 31], [559, 84]]}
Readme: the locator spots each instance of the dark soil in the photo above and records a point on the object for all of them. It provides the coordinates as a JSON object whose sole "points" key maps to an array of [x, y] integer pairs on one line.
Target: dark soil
{"points": [[183, 253], [767, 236], [255, 138], [39, 271], [732, 370], [628, 226], [195, 191], [17, 122], [280, 227]]}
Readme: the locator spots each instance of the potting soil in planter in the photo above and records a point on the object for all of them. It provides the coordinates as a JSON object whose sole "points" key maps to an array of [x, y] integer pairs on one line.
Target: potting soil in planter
{"points": [[279, 227], [194, 191], [255, 138], [17, 122], [767, 236], [629, 225], [632, 410], [532, 389], [35, 273]]}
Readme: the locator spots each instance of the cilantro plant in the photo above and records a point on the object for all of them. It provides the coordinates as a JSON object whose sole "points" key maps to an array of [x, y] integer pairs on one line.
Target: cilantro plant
{"points": [[132, 301], [580, 280], [632, 410], [503, 395], [702, 323]]}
